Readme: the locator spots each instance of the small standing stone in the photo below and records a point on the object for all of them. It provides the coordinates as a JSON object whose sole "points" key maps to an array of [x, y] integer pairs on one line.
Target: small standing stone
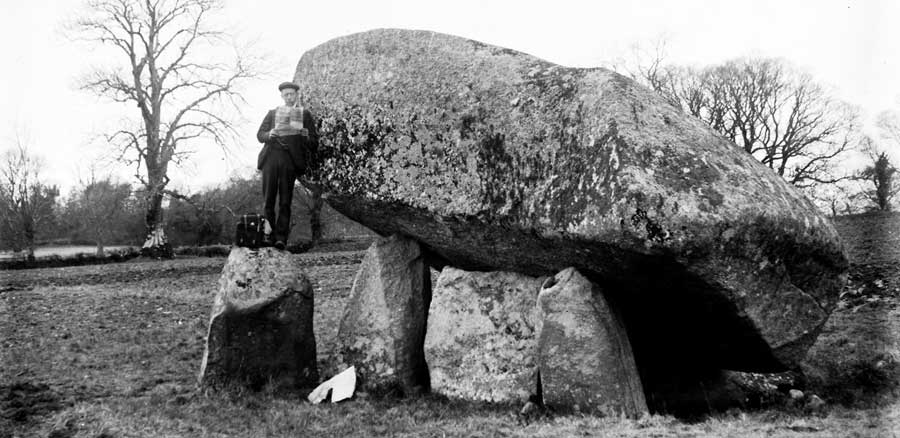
{"points": [[584, 357], [261, 328]]}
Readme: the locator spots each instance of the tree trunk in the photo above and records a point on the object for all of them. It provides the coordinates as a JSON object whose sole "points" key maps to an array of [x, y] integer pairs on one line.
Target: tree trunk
{"points": [[315, 214], [153, 218], [28, 226], [156, 245], [100, 252]]}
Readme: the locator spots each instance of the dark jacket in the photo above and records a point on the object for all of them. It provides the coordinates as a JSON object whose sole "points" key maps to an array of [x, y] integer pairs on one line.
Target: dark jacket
{"points": [[302, 149]]}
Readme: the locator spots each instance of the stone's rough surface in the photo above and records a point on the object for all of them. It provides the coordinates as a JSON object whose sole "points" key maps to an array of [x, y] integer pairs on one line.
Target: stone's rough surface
{"points": [[497, 160], [584, 357], [480, 343], [261, 328], [383, 327]]}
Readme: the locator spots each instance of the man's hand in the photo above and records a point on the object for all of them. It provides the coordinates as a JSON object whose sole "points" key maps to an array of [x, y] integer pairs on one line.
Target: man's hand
{"points": [[304, 132], [272, 133]]}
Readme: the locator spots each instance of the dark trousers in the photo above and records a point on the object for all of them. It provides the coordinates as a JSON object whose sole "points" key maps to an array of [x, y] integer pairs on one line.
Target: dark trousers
{"points": [[278, 181]]}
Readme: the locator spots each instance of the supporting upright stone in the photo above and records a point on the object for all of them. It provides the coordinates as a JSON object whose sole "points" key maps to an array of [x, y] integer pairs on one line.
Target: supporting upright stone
{"points": [[261, 328], [383, 327], [481, 335], [584, 357]]}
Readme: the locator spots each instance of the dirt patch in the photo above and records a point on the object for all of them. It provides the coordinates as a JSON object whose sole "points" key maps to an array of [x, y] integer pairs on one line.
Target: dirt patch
{"points": [[145, 269], [21, 401], [856, 359], [131, 271], [870, 237]]}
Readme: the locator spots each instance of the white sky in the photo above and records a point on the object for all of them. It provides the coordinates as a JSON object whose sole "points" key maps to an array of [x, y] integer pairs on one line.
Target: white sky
{"points": [[851, 46]]}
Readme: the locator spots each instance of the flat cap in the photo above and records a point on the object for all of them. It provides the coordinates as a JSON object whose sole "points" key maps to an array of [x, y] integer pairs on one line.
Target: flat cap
{"points": [[284, 85]]}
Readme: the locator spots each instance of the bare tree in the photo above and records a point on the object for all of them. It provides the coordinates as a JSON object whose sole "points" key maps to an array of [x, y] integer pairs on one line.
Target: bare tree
{"points": [[166, 72], [774, 112], [841, 198], [888, 122], [880, 173], [26, 201], [98, 209], [646, 64]]}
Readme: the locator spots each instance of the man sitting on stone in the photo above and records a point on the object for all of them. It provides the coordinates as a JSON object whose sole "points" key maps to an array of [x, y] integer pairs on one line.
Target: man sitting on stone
{"points": [[288, 134]]}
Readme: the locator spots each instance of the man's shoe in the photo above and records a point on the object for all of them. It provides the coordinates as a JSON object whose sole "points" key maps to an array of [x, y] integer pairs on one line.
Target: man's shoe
{"points": [[279, 245]]}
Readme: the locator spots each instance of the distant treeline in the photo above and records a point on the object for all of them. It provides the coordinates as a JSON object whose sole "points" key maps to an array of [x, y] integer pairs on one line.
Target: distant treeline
{"points": [[108, 213]]}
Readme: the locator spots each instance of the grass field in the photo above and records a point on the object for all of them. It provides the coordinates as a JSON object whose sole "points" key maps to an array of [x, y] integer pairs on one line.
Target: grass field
{"points": [[114, 350]]}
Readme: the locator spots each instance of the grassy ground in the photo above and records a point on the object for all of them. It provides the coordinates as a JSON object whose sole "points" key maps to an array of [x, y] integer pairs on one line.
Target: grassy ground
{"points": [[113, 351]]}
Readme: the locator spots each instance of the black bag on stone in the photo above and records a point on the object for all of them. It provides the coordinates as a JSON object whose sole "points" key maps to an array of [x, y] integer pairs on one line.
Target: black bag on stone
{"points": [[251, 231]]}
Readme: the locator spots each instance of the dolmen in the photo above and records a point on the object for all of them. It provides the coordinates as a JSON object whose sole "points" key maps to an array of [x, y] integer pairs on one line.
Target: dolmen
{"points": [[492, 160]]}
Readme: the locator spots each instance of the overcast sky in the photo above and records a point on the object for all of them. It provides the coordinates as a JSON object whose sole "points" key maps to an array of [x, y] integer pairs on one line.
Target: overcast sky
{"points": [[853, 47]]}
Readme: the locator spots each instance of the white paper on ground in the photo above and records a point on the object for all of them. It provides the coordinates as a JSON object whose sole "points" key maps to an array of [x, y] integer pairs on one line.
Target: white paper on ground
{"points": [[341, 386]]}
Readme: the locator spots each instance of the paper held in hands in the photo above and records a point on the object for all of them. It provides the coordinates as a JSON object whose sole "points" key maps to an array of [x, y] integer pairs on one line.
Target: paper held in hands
{"points": [[288, 120]]}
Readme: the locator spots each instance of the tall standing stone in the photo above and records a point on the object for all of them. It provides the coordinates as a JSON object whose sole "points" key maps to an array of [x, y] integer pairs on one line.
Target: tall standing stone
{"points": [[261, 327], [481, 337], [584, 357], [383, 327]]}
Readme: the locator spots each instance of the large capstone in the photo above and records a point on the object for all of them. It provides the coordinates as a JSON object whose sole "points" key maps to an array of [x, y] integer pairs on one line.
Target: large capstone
{"points": [[496, 160], [382, 331], [261, 328], [480, 343], [584, 360]]}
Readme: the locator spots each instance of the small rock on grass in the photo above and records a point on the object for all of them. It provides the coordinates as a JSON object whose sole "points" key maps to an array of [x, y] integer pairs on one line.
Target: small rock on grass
{"points": [[815, 404]]}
